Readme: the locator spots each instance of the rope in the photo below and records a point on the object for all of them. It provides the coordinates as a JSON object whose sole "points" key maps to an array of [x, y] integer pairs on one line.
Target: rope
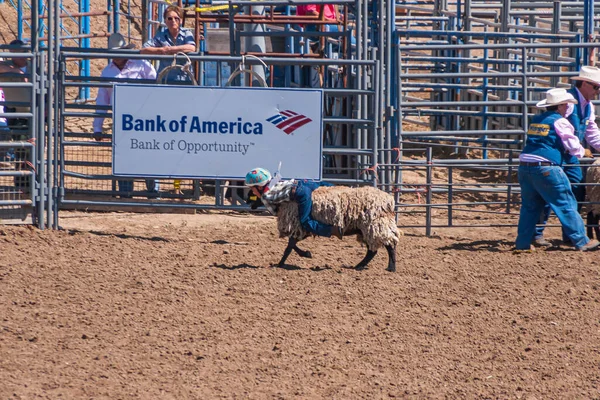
{"points": [[396, 149], [186, 68], [418, 190], [242, 69], [373, 169]]}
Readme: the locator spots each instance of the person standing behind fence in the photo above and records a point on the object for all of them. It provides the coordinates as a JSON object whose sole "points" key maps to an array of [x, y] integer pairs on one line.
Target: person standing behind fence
{"points": [[122, 68], [13, 64], [550, 140], [583, 118], [16, 69], [173, 40], [329, 14]]}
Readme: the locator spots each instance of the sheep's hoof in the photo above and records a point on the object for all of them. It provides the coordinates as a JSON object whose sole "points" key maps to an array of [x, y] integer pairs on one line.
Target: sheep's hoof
{"points": [[391, 268], [306, 254], [360, 267]]}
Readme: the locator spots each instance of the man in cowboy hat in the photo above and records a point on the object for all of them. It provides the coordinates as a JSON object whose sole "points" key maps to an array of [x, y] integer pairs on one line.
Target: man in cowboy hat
{"points": [[550, 140], [122, 68], [583, 119]]}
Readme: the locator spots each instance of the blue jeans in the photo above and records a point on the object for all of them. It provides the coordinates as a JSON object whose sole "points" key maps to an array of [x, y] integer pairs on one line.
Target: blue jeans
{"points": [[303, 196], [548, 184], [575, 175]]}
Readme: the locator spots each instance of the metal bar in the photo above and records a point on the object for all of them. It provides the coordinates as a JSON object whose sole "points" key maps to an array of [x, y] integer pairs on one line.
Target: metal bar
{"points": [[428, 193]]}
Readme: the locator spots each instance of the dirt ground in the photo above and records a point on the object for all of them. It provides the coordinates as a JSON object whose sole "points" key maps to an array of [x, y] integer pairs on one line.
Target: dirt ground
{"points": [[148, 306], [162, 306]]}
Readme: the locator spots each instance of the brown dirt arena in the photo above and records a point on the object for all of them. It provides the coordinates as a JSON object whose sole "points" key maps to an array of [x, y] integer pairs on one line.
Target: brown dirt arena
{"points": [[159, 306]]}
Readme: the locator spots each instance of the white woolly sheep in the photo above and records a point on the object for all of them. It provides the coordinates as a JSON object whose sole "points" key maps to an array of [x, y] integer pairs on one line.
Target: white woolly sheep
{"points": [[593, 196], [366, 211]]}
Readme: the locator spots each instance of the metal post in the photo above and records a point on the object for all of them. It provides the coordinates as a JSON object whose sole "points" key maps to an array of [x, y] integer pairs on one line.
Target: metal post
{"points": [[428, 188], [52, 146], [525, 98], [588, 27], [116, 9], [484, 92], [555, 51], [84, 29], [256, 43], [450, 194], [377, 131], [20, 20], [467, 16], [398, 170], [36, 124], [144, 21], [43, 163], [59, 123], [509, 181]]}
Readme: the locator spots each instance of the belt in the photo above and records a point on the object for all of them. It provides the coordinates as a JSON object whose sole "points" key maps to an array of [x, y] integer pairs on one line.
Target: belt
{"points": [[536, 164]]}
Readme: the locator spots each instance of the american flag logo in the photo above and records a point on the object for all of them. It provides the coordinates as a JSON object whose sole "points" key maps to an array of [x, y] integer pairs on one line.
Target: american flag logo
{"points": [[288, 120]]}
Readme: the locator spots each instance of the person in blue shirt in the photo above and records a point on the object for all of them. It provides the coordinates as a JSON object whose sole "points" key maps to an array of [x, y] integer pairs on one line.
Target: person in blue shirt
{"points": [[551, 139], [172, 40], [258, 181], [583, 119]]}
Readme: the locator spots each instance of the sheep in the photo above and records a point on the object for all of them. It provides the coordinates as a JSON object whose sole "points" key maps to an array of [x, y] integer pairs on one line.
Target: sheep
{"points": [[366, 211], [593, 196]]}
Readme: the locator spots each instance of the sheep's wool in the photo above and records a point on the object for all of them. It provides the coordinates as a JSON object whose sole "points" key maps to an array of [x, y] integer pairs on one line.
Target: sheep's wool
{"points": [[365, 209]]}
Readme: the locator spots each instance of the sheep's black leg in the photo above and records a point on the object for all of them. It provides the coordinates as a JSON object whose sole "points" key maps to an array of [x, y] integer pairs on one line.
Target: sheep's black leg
{"points": [[286, 253], [596, 219], [392, 258], [589, 221], [368, 257], [302, 253]]}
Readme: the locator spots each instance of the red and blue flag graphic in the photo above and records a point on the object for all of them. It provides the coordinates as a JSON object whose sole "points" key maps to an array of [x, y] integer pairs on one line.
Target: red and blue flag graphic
{"points": [[288, 120]]}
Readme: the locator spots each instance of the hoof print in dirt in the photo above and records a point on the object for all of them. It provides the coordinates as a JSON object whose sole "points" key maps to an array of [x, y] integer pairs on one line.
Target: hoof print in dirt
{"points": [[320, 268]]}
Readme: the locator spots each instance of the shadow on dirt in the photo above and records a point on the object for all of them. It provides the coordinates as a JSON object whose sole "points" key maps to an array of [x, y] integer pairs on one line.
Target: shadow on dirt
{"points": [[221, 241], [120, 235], [287, 267], [234, 267], [495, 246]]}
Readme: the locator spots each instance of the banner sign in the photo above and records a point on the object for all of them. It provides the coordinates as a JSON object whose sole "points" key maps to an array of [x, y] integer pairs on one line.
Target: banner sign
{"points": [[218, 133]]}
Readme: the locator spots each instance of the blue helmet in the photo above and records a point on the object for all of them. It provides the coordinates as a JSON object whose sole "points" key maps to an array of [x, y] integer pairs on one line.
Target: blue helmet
{"points": [[258, 177]]}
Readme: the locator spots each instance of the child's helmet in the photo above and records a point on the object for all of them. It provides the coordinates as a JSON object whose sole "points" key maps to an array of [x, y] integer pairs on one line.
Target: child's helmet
{"points": [[258, 177]]}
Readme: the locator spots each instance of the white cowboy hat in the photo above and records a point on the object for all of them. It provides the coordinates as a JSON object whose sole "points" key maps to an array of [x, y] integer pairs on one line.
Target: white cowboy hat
{"points": [[588, 74], [555, 97], [116, 41]]}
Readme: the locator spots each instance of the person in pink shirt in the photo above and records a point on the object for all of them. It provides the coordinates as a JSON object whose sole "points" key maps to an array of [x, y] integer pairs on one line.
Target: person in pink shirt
{"points": [[583, 119], [551, 140], [329, 11], [330, 14], [2, 119]]}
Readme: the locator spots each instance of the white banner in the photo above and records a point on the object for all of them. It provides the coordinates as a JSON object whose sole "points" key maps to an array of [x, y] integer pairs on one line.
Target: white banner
{"points": [[199, 132]]}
